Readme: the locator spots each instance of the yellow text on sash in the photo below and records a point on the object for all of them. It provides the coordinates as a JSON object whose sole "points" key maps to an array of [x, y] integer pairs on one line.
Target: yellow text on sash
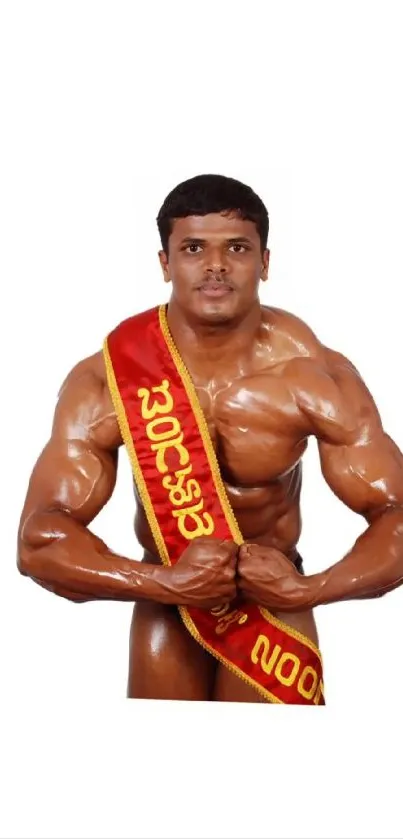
{"points": [[164, 433], [287, 667]]}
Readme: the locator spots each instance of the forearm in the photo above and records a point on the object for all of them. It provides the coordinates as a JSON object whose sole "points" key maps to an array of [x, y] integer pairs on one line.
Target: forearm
{"points": [[65, 557], [372, 567]]}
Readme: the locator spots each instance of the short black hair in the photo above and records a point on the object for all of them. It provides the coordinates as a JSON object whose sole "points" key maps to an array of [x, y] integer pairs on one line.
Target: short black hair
{"points": [[205, 194]]}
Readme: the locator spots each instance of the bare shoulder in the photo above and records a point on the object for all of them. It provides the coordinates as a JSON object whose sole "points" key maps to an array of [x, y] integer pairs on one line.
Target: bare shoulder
{"points": [[90, 369], [294, 341], [76, 470], [331, 393], [289, 336], [326, 385], [84, 408]]}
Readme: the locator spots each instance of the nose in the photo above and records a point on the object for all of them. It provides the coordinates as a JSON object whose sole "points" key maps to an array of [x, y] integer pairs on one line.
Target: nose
{"points": [[216, 264]]}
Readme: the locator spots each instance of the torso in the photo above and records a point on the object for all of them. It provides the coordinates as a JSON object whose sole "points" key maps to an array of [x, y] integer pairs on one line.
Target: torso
{"points": [[259, 434]]}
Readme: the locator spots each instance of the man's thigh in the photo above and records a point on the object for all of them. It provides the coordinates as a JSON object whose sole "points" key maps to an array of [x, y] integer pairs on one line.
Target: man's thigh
{"points": [[165, 662]]}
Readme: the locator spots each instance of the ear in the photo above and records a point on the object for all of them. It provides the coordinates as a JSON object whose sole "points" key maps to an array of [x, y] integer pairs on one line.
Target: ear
{"points": [[265, 265], [164, 265]]}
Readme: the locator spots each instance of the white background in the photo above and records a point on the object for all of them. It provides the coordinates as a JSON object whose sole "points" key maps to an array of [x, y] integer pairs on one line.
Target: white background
{"points": [[104, 108]]}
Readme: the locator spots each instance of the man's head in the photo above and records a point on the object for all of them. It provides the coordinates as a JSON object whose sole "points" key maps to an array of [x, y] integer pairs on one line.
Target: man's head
{"points": [[214, 234]]}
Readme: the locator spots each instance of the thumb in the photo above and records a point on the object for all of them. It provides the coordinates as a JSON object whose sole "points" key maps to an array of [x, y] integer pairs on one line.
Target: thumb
{"points": [[243, 551]]}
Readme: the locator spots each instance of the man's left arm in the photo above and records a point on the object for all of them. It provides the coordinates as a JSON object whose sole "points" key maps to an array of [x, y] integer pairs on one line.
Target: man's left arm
{"points": [[364, 468]]}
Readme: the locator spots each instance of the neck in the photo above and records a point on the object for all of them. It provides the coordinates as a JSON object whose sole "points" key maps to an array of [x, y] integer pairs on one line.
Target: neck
{"points": [[207, 345]]}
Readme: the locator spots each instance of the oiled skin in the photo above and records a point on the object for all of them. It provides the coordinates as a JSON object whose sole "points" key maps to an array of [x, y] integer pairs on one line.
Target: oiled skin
{"points": [[266, 384], [260, 420]]}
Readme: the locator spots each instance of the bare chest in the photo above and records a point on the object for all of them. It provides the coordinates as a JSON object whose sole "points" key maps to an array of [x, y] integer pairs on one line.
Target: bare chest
{"points": [[255, 426]]}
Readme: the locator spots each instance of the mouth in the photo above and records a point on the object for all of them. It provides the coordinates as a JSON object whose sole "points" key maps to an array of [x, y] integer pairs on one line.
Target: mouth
{"points": [[215, 290]]}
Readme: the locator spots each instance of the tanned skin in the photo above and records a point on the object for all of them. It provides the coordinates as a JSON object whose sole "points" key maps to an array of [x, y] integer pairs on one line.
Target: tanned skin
{"points": [[266, 384]]}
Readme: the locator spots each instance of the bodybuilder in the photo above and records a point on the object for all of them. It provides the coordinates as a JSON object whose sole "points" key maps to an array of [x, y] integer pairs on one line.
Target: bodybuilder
{"points": [[266, 384]]}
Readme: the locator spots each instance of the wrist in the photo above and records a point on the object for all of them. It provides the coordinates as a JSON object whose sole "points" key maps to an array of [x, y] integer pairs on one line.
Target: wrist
{"points": [[162, 579], [312, 592], [295, 599], [305, 594]]}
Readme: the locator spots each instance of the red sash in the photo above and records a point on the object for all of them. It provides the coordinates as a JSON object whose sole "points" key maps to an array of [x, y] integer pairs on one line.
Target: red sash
{"points": [[179, 482]]}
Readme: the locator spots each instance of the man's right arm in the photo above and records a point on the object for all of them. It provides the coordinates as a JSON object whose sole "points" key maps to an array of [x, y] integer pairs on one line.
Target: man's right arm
{"points": [[72, 480]]}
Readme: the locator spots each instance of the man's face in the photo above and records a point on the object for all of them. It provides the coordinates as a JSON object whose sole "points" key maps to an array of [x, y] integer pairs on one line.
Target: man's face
{"points": [[215, 264]]}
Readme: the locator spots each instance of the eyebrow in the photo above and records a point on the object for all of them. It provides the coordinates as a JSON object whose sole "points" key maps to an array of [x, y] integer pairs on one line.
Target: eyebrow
{"points": [[194, 240]]}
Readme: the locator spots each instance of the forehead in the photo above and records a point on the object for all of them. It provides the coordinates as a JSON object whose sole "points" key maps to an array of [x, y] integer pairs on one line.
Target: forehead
{"points": [[214, 227]]}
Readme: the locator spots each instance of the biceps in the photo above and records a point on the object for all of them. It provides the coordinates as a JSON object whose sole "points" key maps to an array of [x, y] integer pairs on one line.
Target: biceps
{"points": [[71, 477], [366, 477]]}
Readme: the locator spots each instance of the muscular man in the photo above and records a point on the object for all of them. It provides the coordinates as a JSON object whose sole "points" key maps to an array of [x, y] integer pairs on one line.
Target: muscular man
{"points": [[265, 384]]}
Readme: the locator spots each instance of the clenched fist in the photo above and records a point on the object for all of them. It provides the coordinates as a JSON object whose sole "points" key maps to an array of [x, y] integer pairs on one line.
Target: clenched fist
{"points": [[266, 576], [204, 575]]}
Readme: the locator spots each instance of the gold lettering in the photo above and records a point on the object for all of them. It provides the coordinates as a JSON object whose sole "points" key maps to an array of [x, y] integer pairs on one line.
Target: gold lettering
{"points": [[163, 435], [161, 447], [158, 407], [301, 687], [267, 666], [261, 639], [177, 495], [225, 621], [201, 529], [285, 658], [219, 611], [180, 491]]}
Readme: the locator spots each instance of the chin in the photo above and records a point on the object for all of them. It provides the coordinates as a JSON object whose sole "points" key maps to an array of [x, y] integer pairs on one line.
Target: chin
{"points": [[216, 311], [215, 315]]}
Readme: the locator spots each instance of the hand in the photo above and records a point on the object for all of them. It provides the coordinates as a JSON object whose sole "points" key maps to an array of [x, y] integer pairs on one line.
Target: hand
{"points": [[266, 576], [204, 575]]}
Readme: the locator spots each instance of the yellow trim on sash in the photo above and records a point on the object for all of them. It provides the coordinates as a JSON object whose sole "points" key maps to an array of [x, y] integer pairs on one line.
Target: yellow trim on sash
{"points": [[221, 492], [128, 441], [299, 636], [215, 469], [203, 428], [155, 528]]}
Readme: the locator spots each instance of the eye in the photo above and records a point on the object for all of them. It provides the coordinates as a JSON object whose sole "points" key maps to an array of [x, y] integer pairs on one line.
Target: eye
{"points": [[238, 247], [193, 248]]}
